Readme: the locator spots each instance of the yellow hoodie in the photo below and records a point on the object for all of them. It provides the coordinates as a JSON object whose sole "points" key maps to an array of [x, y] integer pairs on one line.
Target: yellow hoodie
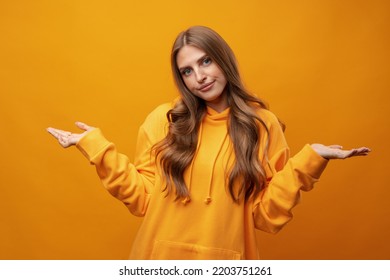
{"points": [[209, 225]]}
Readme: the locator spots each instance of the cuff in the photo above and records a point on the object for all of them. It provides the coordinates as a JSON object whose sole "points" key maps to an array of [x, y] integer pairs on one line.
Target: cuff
{"points": [[310, 162], [92, 144]]}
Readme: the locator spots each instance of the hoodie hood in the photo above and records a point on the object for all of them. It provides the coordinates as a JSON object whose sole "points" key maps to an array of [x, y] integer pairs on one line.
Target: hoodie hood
{"points": [[210, 151]]}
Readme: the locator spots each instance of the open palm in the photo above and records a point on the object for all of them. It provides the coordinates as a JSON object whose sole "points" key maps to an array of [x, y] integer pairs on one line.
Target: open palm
{"points": [[337, 152], [66, 138]]}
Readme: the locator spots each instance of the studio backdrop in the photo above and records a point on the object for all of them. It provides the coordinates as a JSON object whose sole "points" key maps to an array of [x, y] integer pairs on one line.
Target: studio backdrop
{"points": [[322, 66]]}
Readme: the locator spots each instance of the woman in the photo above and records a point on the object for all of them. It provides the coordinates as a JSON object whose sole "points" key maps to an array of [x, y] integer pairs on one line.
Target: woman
{"points": [[210, 167]]}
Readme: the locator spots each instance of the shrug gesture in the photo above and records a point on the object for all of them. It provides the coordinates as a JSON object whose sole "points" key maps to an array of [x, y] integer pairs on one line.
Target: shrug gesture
{"points": [[67, 139]]}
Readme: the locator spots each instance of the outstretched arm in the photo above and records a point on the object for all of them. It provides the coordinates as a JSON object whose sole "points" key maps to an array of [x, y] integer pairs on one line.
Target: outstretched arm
{"points": [[128, 183], [301, 172], [288, 176], [66, 138]]}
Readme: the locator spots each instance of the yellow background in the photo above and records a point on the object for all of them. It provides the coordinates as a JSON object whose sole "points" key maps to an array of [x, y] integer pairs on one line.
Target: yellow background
{"points": [[322, 65]]}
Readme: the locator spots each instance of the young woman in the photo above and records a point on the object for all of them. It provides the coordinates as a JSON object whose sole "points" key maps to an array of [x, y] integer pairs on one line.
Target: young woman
{"points": [[210, 167]]}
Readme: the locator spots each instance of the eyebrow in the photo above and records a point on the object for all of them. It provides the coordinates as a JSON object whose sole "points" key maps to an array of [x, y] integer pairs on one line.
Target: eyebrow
{"points": [[198, 61]]}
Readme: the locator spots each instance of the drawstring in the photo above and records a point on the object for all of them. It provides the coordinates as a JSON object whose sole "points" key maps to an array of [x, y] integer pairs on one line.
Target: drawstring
{"points": [[208, 199], [186, 200]]}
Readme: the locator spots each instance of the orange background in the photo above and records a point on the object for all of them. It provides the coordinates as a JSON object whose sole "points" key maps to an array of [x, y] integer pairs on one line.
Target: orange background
{"points": [[322, 65]]}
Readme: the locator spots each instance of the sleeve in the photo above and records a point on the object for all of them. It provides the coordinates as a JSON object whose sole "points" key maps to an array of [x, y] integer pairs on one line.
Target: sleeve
{"points": [[272, 209], [131, 183]]}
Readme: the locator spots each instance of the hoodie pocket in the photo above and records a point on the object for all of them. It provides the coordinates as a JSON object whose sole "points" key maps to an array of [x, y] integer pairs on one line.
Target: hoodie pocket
{"points": [[169, 250]]}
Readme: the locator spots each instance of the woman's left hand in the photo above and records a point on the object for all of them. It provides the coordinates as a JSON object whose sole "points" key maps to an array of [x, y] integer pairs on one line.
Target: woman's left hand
{"points": [[337, 152]]}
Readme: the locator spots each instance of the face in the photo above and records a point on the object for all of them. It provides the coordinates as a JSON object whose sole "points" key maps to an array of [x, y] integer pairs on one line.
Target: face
{"points": [[202, 76]]}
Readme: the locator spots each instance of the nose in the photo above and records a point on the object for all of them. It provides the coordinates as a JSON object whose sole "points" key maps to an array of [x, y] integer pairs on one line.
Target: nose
{"points": [[200, 75]]}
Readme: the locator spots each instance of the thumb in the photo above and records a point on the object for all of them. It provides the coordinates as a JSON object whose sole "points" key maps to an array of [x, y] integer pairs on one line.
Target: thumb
{"points": [[84, 126]]}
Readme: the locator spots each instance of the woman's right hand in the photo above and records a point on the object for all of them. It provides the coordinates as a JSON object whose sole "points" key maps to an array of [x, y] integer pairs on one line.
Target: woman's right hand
{"points": [[66, 138]]}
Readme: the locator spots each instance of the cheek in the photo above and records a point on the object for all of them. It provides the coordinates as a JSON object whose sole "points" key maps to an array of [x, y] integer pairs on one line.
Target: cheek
{"points": [[188, 83], [218, 73], [222, 78]]}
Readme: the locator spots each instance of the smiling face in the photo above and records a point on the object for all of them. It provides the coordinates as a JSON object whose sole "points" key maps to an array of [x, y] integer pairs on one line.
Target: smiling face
{"points": [[202, 76]]}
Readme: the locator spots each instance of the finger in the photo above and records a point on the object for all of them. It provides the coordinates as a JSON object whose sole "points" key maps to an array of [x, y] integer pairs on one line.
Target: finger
{"points": [[359, 152], [58, 132], [50, 130], [64, 142], [53, 132], [64, 133], [83, 126], [363, 151]]}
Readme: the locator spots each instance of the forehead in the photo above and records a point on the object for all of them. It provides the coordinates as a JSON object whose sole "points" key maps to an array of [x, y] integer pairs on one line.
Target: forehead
{"points": [[189, 55]]}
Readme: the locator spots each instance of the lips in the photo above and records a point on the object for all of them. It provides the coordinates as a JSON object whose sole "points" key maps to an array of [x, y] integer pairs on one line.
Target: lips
{"points": [[206, 87]]}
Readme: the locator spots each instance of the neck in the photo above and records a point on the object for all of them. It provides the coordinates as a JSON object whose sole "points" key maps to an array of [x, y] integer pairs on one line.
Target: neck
{"points": [[220, 104]]}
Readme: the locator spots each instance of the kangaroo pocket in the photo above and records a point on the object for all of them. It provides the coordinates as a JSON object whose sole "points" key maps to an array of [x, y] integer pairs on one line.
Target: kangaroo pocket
{"points": [[169, 250]]}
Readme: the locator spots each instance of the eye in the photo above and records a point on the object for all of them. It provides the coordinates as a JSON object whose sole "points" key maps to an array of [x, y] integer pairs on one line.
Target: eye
{"points": [[206, 61], [186, 72]]}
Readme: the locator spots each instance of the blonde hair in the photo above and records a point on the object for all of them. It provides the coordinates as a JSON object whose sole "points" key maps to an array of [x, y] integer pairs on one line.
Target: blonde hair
{"points": [[177, 149]]}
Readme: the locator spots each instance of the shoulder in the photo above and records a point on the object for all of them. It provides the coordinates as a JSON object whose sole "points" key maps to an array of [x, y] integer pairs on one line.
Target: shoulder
{"points": [[268, 117], [156, 122], [159, 114]]}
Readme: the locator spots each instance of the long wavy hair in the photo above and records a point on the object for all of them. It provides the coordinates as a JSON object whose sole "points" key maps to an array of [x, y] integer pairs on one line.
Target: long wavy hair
{"points": [[176, 151]]}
